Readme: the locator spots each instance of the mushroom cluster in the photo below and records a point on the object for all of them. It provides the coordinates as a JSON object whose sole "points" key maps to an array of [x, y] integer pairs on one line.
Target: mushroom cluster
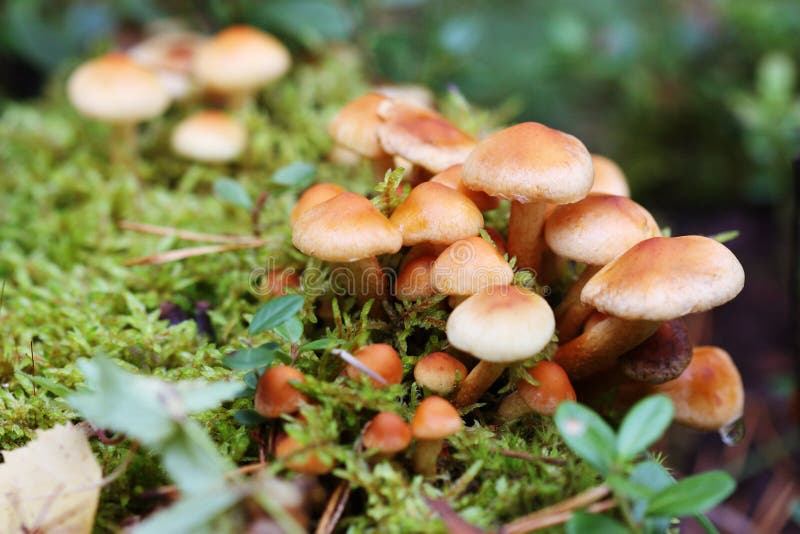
{"points": [[617, 325], [127, 88]]}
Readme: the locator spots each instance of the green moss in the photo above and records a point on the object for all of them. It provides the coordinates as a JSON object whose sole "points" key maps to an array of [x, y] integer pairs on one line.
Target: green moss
{"points": [[68, 293]]}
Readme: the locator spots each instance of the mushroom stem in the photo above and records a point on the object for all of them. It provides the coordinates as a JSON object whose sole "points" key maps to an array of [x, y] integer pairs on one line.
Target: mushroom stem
{"points": [[425, 455], [571, 313], [525, 226], [601, 343], [479, 379], [363, 279], [123, 143], [513, 407]]}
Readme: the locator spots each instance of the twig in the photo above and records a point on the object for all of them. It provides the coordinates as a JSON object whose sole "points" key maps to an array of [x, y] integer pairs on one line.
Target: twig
{"points": [[187, 235], [531, 524], [541, 518], [522, 455], [334, 509], [355, 362], [256, 213], [33, 370], [183, 253], [455, 523]]}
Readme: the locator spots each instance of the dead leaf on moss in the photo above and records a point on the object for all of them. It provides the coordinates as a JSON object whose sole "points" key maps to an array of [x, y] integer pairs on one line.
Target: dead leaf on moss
{"points": [[50, 486]]}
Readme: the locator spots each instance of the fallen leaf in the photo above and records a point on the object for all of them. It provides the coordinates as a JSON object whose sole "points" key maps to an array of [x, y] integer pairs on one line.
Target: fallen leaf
{"points": [[50, 486]]}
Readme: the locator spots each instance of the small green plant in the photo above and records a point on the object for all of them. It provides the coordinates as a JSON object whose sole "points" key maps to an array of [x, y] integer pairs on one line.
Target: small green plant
{"points": [[646, 495]]}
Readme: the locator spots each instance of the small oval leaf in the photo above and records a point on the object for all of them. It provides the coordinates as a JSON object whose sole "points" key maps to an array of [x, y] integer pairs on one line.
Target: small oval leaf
{"points": [[693, 495], [232, 192], [275, 312], [643, 425], [586, 434], [251, 357]]}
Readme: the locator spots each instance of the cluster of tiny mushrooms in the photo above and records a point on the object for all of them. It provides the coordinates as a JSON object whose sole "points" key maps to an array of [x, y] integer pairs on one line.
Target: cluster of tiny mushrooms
{"points": [[618, 325]]}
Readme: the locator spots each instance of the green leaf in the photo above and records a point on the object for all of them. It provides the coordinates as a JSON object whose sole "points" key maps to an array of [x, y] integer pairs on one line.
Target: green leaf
{"points": [[724, 237], [251, 379], [653, 476], [291, 330], [321, 344], [189, 514], [275, 312], [248, 417], [628, 488], [232, 192], [706, 523], [251, 358], [586, 434], [59, 390], [643, 425], [297, 174], [692, 495], [582, 522]]}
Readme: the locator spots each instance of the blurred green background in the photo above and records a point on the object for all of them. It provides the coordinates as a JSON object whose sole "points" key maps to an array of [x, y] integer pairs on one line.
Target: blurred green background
{"points": [[697, 99]]}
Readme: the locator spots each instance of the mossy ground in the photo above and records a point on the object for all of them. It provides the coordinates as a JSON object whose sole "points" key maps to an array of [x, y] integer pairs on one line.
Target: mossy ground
{"points": [[67, 293]]}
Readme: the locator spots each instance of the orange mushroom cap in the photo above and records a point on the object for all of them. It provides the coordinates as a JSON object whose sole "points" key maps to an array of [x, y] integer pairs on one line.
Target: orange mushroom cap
{"points": [[553, 389], [288, 449], [469, 266], [388, 433], [435, 418], [382, 359], [439, 372], [356, 126], [414, 280], [316, 194], [452, 177], [275, 395]]}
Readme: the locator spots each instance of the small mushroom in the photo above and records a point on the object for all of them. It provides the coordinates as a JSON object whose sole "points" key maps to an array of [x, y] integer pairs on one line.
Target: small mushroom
{"points": [[412, 94], [434, 420], [470, 266], [349, 231], [297, 458], [355, 126], [383, 360], [414, 279], [275, 393], [434, 213], [608, 177], [421, 136], [709, 394], [659, 279], [209, 136], [453, 178], [240, 60], [387, 433], [316, 194], [170, 54], [662, 357], [440, 373], [593, 231], [531, 165], [553, 389], [116, 90], [504, 325]]}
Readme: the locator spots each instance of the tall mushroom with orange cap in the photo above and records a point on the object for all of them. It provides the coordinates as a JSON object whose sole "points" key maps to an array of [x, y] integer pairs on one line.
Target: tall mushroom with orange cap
{"points": [[553, 389], [658, 279], [275, 393], [434, 420], [209, 136], [240, 60], [593, 231], [349, 231], [533, 166], [387, 433], [709, 394], [380, 358], [316, 194], [503, 325], [434, 213], [608, 177], [117, 90], [422, 136], [469, 266]]}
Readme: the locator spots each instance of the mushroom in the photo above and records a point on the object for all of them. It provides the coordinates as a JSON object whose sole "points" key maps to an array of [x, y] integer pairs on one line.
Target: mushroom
{"points": [[387, 433], [662, 357], [593, 231], [506, 324], [608, 177], [170, 54], [240, 60], [297, 458], [275, 393], [355, 127], [434, 213], [209, 136], [553, 389], [316, 194], [349, 231], [532, 165], [421, 136], [422, 249], [659, 279], [452, 177], [470, 266], [709, 394], [440, 373], [412, 94], [383, 360], [414, 279], [115, 89], [434, 420]]}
